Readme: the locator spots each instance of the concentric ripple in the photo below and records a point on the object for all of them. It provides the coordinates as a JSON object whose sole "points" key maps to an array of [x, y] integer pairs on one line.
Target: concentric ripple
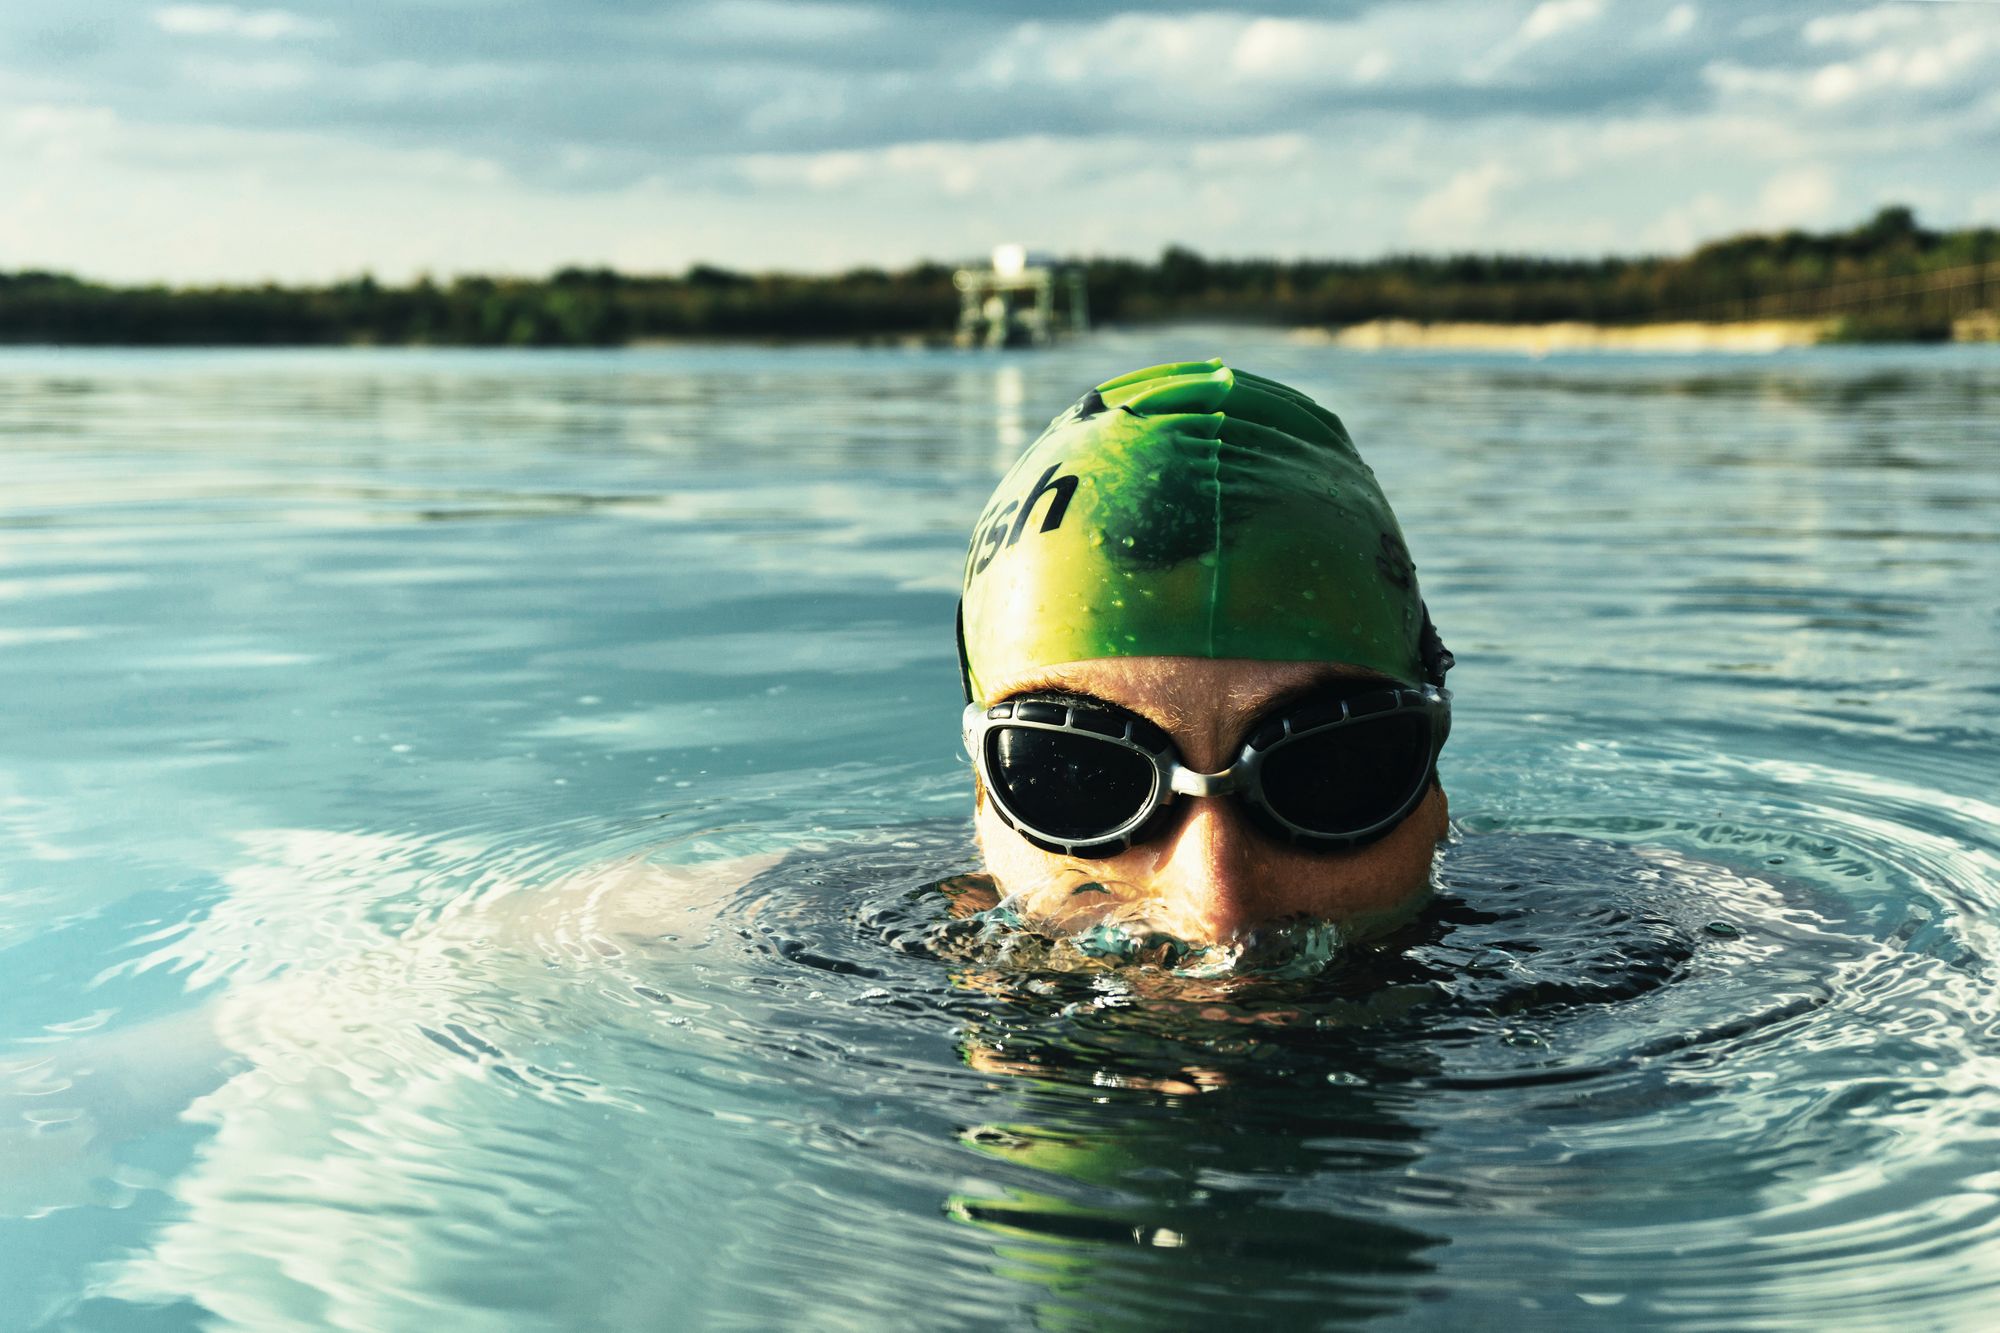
{"points": [[1755, 1096]]}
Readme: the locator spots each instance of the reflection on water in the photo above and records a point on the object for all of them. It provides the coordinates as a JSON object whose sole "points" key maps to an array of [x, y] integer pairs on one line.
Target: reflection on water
{"points": [[534, 919]]}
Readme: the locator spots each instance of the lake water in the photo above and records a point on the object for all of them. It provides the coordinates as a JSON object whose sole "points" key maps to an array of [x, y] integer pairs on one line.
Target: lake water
{"points": [[342, 690]]}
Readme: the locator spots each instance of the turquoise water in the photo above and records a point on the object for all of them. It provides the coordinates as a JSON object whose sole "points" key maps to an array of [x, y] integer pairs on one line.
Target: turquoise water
{"points": [[466, 821]]}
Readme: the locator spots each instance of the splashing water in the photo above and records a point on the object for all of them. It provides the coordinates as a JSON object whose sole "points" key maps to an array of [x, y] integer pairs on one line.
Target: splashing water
{"points": [[1276, 951]]}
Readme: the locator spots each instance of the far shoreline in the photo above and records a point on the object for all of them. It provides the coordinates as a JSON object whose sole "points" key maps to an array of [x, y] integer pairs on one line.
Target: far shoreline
{"points": [[1534, 340], [1887, 280], [1678, 336]]}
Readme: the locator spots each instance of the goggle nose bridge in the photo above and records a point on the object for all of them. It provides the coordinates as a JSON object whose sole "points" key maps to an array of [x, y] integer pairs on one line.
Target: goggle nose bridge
{"points": [[1187, 782]]}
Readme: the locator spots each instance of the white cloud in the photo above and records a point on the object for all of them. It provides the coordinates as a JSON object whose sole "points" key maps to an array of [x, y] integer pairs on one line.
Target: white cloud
{"points": [[1797, 197], [1304, 51], [1554, 16], [57, 133], [263, 25], [1373, 66], [1165, 63], [1266, 150], [1732, 80], [1680, 21], [1269, 47], [1890, 69], [1170, 49], [1863, 27], [1453, 213], [952, 170], [1547, 20], [1907, 49]]}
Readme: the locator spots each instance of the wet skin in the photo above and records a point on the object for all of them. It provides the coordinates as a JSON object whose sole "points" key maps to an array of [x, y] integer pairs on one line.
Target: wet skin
{"points": [[1213, 874]]}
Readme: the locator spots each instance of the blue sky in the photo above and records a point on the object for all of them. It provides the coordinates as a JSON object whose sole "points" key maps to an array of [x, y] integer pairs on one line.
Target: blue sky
{"points": [[197, 141]]}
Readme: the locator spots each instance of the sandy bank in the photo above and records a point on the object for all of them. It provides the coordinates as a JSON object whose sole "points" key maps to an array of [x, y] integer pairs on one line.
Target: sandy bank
{"points": [[1575, 336]]}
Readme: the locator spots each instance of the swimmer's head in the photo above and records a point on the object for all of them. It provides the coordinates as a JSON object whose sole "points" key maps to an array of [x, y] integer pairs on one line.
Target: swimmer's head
{"points": [[1203, 549], [1198, 511]]}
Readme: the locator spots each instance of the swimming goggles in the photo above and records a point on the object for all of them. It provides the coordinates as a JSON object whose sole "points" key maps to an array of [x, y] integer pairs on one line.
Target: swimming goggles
{"points": [[1090, 779]]}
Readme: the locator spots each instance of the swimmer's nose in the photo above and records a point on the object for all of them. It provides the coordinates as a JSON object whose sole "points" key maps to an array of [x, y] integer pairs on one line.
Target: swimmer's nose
{"points": [[1206, 878]]}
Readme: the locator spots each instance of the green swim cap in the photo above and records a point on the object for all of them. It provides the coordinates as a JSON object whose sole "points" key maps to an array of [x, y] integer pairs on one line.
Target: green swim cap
{"points": [[1192, 510]]}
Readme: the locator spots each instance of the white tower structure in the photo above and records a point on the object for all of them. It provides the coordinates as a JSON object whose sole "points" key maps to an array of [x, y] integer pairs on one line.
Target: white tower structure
{"points": [[1013, 303]]}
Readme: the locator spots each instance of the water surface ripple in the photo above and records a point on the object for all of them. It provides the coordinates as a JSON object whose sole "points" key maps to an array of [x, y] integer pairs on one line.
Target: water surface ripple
{"points": [[478, 835]]}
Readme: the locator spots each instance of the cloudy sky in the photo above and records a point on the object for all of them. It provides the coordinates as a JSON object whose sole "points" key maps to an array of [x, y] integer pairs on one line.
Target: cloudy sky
{"points": [[197, 141]]}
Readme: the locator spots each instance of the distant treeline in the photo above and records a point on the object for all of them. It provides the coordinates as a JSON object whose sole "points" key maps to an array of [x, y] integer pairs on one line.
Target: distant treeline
{"points": [[1888, 278]]}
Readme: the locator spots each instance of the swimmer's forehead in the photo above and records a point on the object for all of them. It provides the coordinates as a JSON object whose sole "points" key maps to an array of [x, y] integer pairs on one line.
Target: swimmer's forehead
{"points": [[1187, 685]]}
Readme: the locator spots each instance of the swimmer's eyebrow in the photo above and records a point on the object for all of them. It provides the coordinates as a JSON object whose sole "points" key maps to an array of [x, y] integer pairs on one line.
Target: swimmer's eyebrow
{"points": [[1051, 681], [1329, 683], [1335, 683], [1074, 698], [1054, 687]]}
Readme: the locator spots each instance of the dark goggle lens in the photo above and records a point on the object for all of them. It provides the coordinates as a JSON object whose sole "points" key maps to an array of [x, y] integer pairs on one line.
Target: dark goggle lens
{"points": [[1065, 786], [1349, 778]]}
